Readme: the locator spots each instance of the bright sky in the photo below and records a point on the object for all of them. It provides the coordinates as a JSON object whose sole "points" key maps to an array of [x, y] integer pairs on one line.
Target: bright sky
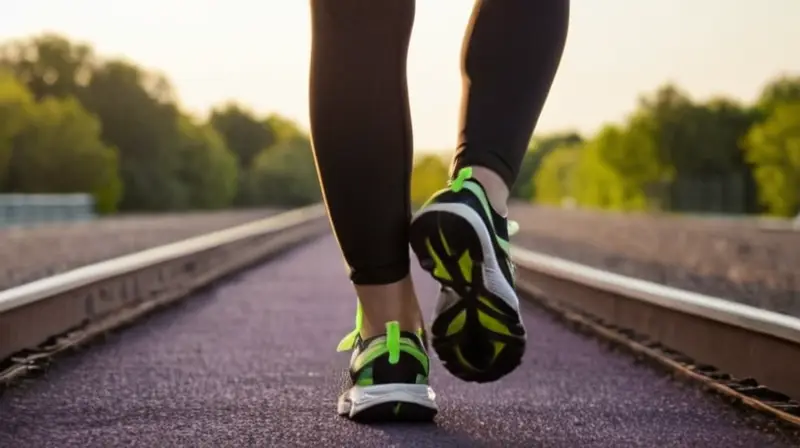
{"points": [[256, 52]]}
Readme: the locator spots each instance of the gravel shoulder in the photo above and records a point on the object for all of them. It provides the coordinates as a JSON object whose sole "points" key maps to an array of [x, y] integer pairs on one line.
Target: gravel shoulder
{"points": [[728, 259], [28, 254]]}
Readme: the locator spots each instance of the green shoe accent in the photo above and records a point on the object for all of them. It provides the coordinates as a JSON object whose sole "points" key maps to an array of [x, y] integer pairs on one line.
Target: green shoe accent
{"points": [[462, 181], [476, 329], [458, 183], [349, 341], [393, 341], [391, 344], [388, 378]]}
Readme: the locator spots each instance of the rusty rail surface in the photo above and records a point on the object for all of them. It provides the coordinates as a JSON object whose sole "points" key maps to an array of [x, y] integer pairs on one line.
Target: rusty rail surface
{"points": [[750, 354], [54, 313]]}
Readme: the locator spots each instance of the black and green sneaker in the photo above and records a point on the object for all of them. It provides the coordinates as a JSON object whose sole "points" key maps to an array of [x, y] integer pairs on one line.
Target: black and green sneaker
{"points": [[477, 330], [388, 377]]}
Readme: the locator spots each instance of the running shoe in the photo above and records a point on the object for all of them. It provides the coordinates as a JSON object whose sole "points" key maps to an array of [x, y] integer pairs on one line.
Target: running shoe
{"points": [[388, 377], [477, 331]]}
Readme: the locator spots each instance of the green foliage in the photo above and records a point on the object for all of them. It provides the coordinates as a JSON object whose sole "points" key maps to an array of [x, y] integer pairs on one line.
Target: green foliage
{"points": [[671, 153], [540, 147], [81, 122], [773, 147], [49, 65], [16, 104], [430, 174], [245, 135], [59, 150], [72, 120], [283, 129], [208, 171], [783, 89], [555, 182], [285, 174], [596, 184], [144, 128]]}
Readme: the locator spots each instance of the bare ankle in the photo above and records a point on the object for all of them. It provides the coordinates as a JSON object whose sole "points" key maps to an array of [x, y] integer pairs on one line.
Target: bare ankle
{"points": [[496, 189], [385, 303]]}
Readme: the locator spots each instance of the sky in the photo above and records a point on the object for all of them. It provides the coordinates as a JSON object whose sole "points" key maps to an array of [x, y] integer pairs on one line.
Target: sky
{"points": [[257, 52]]}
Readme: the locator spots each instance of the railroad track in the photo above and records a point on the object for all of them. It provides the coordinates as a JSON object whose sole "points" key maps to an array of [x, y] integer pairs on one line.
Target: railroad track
{"points": [[73, 307], [743, 353]]}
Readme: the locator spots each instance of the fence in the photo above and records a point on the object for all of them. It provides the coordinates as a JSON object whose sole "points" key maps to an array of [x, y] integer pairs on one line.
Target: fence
{"points": [[37, 209]]}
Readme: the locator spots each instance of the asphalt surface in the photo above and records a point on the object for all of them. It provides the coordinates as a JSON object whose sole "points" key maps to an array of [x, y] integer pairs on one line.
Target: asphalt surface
{"points": [[252, 362]]}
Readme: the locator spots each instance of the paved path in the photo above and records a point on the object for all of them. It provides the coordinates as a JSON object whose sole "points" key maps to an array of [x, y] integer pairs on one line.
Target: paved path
{"points": [[253, 363]]}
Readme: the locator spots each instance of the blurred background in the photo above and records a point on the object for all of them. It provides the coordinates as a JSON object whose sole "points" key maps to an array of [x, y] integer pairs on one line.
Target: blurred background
{"points": [[170, 105], [146, 110]]}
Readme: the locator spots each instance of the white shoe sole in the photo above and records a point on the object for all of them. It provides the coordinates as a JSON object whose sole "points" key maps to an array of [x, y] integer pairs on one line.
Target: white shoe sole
{"points": [[359, 399]]}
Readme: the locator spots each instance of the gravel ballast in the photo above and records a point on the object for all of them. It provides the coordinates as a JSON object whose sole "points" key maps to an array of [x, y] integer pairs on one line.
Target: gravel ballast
{"points": [[28, 254], [731, 260]]}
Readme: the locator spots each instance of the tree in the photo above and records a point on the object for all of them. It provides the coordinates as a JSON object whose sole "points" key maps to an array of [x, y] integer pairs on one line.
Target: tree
{"points": [[62, 105], [595, 184], [208, 170], [784, 89], [137, 120], [283, 129], [773, 147], [285, 175], [429, 175], [244, 134], [631, 153], [135, 107], [60, 151], [540, 147], [669, 116], [16, 107], [699, 145], [166, 161], [49, 65], [616, 170], [555, 179]]}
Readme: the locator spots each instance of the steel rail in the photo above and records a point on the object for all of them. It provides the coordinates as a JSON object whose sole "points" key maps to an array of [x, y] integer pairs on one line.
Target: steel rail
{"points": [[101, 296], [752, 353]]}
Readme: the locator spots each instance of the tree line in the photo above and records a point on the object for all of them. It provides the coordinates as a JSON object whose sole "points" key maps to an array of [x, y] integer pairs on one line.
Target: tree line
{"points": [[671, 154], [74, 121]]}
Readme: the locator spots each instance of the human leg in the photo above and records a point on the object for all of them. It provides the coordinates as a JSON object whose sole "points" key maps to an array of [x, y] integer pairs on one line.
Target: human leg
{"points": [[361, 130], [511, 52]]}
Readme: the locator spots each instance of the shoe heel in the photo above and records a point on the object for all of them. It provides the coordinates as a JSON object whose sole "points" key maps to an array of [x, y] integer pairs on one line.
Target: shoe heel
{"points": [[440, 239]]}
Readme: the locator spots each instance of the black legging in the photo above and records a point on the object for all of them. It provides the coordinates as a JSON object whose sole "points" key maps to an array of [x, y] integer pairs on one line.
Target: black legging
{"points": [[360, 118]]}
